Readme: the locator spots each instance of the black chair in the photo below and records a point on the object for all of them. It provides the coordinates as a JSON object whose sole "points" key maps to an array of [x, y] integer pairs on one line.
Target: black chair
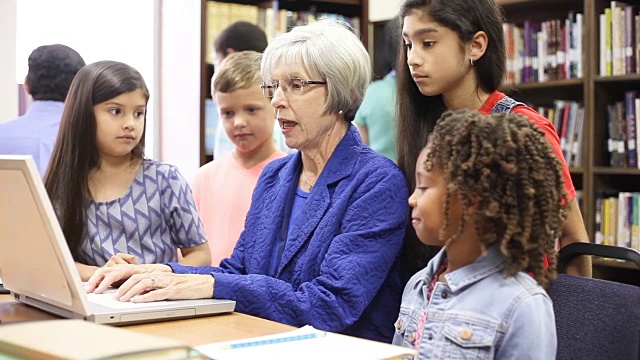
{"points": [[596, 319]]}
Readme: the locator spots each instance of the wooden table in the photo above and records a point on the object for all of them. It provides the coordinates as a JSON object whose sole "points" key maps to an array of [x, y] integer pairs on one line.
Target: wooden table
{"points": [[192, 332]]}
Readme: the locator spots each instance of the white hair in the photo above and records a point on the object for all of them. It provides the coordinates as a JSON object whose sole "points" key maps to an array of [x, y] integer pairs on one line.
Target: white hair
{"points": [[329, 50]]}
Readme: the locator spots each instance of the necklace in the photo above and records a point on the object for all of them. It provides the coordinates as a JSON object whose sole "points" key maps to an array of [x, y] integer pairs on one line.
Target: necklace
{"points": [[304, 178]]}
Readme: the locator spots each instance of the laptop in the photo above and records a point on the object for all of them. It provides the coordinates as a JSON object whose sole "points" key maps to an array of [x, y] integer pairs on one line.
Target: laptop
{"points": [[37, 268]]}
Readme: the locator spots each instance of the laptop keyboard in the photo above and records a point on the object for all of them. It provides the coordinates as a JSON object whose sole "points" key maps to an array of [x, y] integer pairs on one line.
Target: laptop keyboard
{"points": [[106, 299]]}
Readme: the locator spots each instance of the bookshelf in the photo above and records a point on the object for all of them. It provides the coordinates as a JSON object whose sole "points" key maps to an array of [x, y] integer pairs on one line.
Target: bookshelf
{"points": [[592, 90], [274, 17], [596, 92]]}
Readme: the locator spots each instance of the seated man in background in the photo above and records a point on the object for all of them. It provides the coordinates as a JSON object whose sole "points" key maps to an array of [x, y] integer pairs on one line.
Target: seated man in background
{"points": [[51, 70]]}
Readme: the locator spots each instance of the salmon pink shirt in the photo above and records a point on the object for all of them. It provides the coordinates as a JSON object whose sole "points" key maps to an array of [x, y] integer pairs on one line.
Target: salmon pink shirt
{"points": [[222, 192]]}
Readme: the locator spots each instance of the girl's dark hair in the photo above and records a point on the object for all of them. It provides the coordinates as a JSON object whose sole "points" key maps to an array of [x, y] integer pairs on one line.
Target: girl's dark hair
{"points": [[417, 113], [503, 168], [75, 152]]}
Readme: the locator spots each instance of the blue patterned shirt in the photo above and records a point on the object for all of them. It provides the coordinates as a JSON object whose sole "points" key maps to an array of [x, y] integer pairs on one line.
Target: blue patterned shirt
{"points": [[151, 220]]}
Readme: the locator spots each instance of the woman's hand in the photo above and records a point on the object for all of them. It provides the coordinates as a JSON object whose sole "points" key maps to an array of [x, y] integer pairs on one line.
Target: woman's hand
{"points": [[157, 286], [106, 276], [121, 259]]}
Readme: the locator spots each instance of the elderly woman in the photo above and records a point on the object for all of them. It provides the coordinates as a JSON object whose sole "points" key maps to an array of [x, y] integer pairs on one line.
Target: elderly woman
{"points": [[324, 232]]}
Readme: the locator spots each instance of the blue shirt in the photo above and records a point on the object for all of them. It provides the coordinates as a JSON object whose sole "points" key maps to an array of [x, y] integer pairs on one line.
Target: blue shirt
{"points": [[33, 133], [479, 313], [155, 217], [297, 203], [340, 272]]}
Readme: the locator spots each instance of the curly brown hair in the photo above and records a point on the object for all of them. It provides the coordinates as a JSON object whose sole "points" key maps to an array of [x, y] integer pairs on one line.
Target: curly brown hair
{"points": [[503, 168]]}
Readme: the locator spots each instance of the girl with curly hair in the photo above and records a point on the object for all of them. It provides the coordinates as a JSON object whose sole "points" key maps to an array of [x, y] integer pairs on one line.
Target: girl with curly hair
{"points": [[490, 192]]}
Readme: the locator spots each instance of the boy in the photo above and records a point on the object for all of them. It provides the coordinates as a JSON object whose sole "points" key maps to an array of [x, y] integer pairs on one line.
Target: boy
{"points": [[222, 188]]}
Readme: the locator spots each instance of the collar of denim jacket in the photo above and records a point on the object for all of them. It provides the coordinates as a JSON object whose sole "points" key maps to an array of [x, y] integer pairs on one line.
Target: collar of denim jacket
{"points": [[485, 265]]}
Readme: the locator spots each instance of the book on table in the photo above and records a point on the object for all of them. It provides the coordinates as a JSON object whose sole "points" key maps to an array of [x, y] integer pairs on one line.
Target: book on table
{"points": [[304, 343]]}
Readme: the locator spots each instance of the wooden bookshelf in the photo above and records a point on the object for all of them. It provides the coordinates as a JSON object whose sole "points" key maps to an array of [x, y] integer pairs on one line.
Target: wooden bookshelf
{"points": [[617, 79], [595, 92], [603, 170], [348, 8], [552, 84]]}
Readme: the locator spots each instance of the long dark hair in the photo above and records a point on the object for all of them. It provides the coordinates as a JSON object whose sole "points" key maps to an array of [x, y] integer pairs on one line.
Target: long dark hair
{"points": [[75, 153], [417, 113]]}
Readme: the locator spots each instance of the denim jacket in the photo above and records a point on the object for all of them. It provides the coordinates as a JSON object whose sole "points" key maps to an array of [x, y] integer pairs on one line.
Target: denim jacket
{"points": [[478, 314]]}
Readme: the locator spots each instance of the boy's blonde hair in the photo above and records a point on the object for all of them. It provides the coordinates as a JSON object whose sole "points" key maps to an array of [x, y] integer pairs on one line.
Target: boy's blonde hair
{"points": [[239, 70]]}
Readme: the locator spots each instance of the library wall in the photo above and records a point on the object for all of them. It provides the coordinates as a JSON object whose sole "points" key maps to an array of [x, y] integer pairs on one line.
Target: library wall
{"points": [[8, 85], [180, 85], [380, 10]]}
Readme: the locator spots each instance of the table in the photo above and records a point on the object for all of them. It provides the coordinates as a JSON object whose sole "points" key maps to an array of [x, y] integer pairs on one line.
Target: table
{"points": [[193, 332]]}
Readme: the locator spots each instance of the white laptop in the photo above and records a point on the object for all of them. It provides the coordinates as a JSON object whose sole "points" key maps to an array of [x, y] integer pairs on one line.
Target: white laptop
{"points": [[37, 267]]}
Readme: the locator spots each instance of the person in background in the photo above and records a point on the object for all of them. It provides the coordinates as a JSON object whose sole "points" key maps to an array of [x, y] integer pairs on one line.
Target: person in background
{"points": [[455, 59], [222, 188], [239, 36], [51, 70], [323, 234], [488, 190], [115, 206], [376, 118]]}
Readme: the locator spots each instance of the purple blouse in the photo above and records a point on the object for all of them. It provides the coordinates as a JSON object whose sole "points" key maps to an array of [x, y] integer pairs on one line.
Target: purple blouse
{"points": [[151, 220]]}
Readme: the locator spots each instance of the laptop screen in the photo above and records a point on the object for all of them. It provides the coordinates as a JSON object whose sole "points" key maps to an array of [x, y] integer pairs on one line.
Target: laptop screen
{"points": [[34, 258]]}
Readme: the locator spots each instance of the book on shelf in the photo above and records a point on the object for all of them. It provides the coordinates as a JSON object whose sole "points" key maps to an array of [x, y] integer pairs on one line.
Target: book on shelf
{"points": [[273, 20], [210, 125], [619, 40], [544, 51], [567, 117], [305, 343], [630, 122], [624, 131], [222, 14], [616, 143], [618, 219]]}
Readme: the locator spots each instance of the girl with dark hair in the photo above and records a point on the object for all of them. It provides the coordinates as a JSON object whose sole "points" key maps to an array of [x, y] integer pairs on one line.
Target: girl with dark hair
{"points": [[488, 191], [114, 205], [454, 58]]}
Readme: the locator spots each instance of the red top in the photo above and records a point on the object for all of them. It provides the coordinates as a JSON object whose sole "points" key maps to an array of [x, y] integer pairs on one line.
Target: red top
{"points": [[543, 124]]}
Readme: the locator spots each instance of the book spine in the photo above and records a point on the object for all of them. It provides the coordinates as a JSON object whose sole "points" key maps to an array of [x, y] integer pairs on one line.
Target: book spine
{"points": [[629, 40], [599, 237]]}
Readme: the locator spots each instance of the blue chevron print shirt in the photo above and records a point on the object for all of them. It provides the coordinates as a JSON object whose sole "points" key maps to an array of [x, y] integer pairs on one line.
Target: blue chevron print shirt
{"points": [[151, 220]]}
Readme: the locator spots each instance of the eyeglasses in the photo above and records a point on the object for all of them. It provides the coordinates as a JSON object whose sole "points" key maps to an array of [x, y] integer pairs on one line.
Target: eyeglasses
{"points": [[296, 85]]}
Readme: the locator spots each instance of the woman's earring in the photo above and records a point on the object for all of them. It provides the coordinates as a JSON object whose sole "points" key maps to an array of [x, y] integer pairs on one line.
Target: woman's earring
{"points": [[340, 112], [471, 62]]}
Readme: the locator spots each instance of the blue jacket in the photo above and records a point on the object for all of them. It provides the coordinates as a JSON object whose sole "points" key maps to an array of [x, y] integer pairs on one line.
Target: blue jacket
{"points": [[341, 274], [479, 313]]}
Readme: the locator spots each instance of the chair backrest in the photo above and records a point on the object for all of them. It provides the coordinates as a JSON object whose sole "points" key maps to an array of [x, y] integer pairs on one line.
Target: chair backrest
{"points": [[595, 319], [572, 250]]}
